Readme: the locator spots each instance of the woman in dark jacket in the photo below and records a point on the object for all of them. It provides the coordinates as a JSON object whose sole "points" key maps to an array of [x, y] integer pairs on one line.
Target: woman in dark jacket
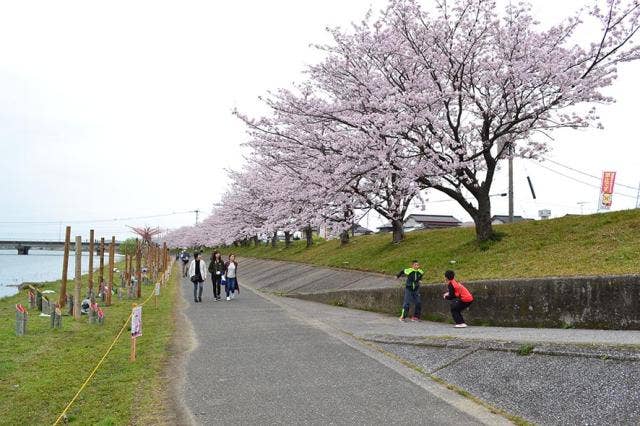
{"points": [[216, 268], [231, 274]]}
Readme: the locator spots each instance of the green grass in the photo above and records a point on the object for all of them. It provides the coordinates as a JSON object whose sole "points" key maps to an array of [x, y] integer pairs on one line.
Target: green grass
{"points": [[525, 349], [41, 372], [576, 245]]}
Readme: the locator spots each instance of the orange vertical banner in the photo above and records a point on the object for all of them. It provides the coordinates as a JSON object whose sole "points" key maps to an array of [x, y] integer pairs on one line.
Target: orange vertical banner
{"points": [[606, 190]]}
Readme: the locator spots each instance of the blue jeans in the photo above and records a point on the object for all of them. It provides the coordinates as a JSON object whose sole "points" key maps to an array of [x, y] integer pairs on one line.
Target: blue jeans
{"points": [[230, 286], [411, 296], [197, 290]]}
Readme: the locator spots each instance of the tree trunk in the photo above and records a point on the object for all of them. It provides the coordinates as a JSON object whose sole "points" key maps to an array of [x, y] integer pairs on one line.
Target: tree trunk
{"points": [[398, 230], [344, 238], [255, 240], [274, 239], [482, 214], [482, 219], [287, 238], [308, 233]]}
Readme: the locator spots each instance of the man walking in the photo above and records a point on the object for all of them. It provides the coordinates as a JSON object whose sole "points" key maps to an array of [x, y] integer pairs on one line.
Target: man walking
{"points": [[197, 275]]}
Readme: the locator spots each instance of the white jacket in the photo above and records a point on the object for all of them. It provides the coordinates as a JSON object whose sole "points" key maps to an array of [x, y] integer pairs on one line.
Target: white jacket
{"points": [[203, 269]]}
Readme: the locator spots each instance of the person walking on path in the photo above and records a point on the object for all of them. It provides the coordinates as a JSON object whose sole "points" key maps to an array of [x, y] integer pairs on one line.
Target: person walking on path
{"points": [[197, 275], [231, 277], [411, 291], [184, 256], [216, 269], [459, 296]]}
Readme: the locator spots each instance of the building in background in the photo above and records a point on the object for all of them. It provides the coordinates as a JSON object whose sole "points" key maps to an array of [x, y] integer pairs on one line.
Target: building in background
{"points": [[424, 221], [502, 219]]}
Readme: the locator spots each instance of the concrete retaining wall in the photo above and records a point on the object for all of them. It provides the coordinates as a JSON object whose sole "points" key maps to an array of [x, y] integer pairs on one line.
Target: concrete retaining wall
{"points": [[604, 302]]}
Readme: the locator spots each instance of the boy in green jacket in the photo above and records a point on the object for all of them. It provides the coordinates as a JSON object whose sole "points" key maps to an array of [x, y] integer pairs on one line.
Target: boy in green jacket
{"points": [[411, 291]]}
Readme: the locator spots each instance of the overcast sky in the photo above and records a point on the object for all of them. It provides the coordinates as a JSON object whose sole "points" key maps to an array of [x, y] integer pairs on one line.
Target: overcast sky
{"points": [[115, 110]]}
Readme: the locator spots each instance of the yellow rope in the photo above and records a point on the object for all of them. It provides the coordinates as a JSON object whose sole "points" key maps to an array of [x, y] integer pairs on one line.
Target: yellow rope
{"points": [[99, 364]]}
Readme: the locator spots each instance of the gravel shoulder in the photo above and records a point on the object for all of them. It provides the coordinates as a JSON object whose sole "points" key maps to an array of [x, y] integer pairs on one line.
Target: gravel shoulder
{"points": [[545, 389]]}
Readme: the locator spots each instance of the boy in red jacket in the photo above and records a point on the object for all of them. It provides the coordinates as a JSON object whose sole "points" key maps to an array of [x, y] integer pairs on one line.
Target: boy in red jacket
{"points": [[460, 298]]}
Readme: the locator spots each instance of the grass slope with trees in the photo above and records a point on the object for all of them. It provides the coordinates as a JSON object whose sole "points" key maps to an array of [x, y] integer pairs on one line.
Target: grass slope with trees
{"points": [[598, 244]]}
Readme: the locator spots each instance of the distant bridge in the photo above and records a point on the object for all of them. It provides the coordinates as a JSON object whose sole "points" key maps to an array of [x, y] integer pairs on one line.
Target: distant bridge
{"points": [[23, 247]]}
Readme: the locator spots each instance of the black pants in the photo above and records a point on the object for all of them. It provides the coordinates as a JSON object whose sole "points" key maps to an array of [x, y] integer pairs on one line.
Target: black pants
{"points": [[216, 280], [457, 306]]}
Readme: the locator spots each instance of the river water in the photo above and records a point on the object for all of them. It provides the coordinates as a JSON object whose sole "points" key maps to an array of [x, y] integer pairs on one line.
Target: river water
{"points": [[37, 266]]}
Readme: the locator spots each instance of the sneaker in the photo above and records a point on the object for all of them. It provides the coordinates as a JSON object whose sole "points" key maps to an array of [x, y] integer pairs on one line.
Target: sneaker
{"points": [[195, 300], [415, 319], [199, 299], [402, 319], [463, 325], [228, 298]]}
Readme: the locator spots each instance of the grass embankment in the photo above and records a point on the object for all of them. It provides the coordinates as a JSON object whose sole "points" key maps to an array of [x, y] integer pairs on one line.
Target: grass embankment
{"points": [[42, 371], [575, 245]]}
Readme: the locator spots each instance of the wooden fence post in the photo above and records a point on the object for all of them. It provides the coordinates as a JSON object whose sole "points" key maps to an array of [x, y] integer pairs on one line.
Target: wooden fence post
{"points": [[101, 261], [91, 248], [65, 268], [56, 317], [21, 320], [147, 253], [139, 267], [112, 254], [78, 279], [130, 267], [125, 274], [156, 263]]}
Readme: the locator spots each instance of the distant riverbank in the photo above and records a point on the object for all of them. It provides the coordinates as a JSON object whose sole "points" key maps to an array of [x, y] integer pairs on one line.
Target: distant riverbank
{"points": [[37, 266]]}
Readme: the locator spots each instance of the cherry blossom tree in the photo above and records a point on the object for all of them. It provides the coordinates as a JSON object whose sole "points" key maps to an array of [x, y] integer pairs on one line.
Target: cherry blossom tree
{"points": [[500, 84], [421, 98], [340, 156]]}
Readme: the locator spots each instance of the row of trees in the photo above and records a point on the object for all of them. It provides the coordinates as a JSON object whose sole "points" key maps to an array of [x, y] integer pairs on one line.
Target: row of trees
{"points": [[417, 98]]}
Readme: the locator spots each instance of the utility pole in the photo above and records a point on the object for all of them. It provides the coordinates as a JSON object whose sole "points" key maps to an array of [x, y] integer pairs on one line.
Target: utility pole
{"points": [[510, 183], [196, 212], [638, 198]]}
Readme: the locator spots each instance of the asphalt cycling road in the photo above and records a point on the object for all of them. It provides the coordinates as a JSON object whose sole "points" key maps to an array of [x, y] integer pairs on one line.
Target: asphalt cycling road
{"points": [[256, 362]]}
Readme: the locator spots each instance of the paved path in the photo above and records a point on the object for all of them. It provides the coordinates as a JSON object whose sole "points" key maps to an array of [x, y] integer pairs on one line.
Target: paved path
{"points": [[258, 362], [561, 384]]}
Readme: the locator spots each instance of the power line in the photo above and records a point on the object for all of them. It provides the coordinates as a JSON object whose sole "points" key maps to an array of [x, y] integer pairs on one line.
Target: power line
{"points": [[581, 181], [586, 174], [96, 220]]}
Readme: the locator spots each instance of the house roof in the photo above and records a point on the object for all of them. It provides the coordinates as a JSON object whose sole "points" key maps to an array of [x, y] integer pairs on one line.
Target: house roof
{"points": [[433, 218], [505, 218], [426, 218], [361, 229]]}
